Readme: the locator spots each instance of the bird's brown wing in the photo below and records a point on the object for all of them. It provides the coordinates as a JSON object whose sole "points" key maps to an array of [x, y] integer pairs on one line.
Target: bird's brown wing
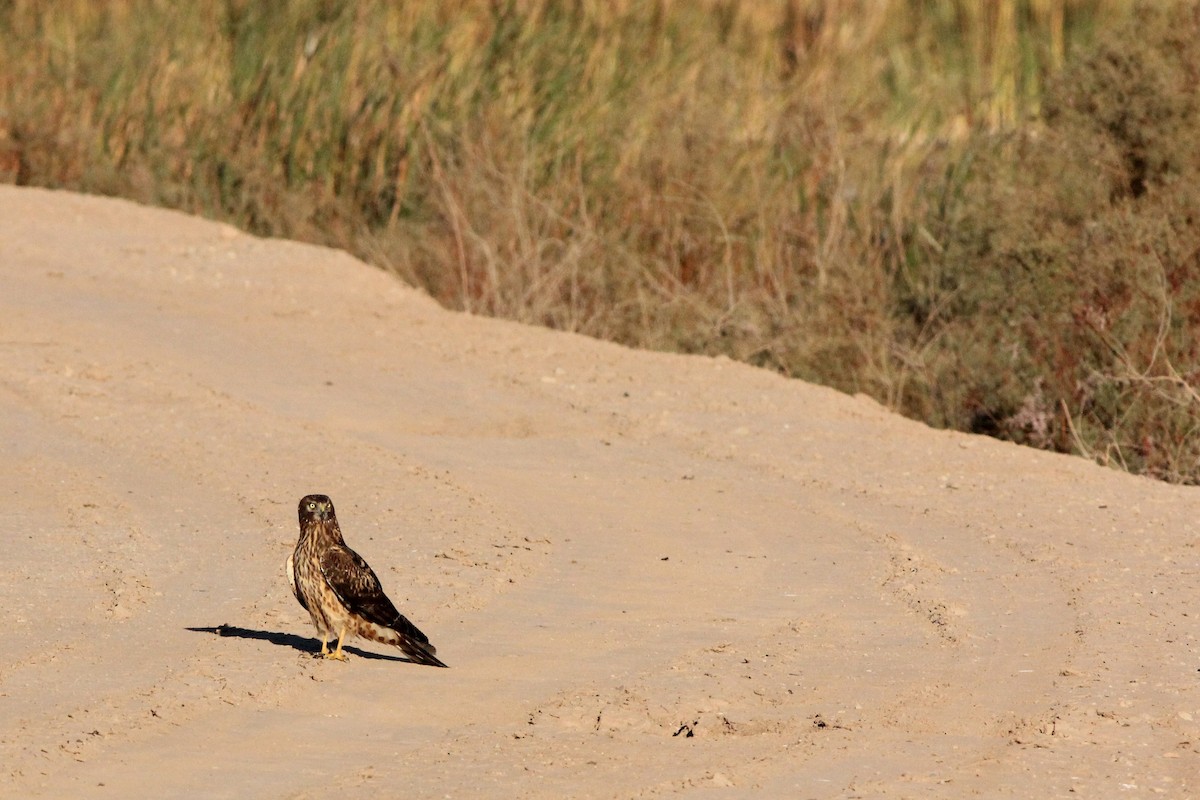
{"points": [[357, 586]]}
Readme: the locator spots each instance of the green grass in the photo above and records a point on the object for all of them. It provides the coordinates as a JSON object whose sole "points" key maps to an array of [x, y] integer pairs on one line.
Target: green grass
{"points": [[960, 207]]}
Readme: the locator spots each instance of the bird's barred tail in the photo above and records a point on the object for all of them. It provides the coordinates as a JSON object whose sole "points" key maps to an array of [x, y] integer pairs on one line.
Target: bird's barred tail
{"points": [[421, 653], [410, 640]]}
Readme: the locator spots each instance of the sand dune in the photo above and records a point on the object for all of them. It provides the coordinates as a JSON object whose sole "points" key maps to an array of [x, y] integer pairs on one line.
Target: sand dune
{"points": [[651, 575]]}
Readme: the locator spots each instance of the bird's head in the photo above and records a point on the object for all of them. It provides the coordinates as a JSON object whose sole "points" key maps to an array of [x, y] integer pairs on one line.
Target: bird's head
{"points": [[316, 507]]}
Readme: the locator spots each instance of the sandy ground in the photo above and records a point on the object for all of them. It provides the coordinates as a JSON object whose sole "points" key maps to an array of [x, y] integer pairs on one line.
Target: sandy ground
{"points": [[651, 575]]}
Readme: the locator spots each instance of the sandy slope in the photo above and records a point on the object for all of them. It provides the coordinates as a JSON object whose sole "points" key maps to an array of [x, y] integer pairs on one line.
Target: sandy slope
{"points": [[651, 575]]}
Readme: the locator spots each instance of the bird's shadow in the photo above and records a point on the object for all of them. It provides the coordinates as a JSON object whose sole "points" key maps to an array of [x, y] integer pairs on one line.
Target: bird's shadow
{"points": [[301, 643]]}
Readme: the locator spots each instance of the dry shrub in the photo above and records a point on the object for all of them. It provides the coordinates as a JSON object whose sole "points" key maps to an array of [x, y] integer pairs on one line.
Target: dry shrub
{"points": [[1068, 298]]}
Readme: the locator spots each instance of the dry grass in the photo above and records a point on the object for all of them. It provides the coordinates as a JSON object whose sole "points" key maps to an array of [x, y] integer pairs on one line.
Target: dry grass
{"points": [[799, 185]]}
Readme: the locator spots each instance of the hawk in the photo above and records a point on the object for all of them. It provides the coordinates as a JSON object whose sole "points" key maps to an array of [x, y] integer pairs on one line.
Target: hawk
{"points": [[341, 592]]}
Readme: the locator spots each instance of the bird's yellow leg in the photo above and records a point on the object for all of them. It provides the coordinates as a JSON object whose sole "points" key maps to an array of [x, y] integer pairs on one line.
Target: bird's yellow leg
{"points": [[324, 645], [338, 655]]}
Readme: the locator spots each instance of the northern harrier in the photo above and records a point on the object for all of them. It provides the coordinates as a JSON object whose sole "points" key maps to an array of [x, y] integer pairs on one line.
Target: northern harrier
{"points": [[341, 592]]}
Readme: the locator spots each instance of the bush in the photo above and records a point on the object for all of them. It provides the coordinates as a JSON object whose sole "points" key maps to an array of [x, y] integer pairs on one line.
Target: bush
{"points": [[1067, 299]]}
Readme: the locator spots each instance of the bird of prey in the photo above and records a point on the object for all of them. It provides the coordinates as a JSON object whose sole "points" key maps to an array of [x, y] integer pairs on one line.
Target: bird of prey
{"points": [[341, 592]]}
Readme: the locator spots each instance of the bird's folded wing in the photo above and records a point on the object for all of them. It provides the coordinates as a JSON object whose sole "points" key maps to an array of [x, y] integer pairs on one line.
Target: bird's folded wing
{"points": [[357, 586]]}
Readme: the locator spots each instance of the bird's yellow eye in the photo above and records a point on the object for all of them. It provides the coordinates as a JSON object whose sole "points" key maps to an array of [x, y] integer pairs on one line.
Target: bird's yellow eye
{"points": [[312, 506]]}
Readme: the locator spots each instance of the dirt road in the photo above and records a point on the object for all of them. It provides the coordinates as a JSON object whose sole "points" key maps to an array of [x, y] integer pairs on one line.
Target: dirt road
{"points": [[651, 575]]}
